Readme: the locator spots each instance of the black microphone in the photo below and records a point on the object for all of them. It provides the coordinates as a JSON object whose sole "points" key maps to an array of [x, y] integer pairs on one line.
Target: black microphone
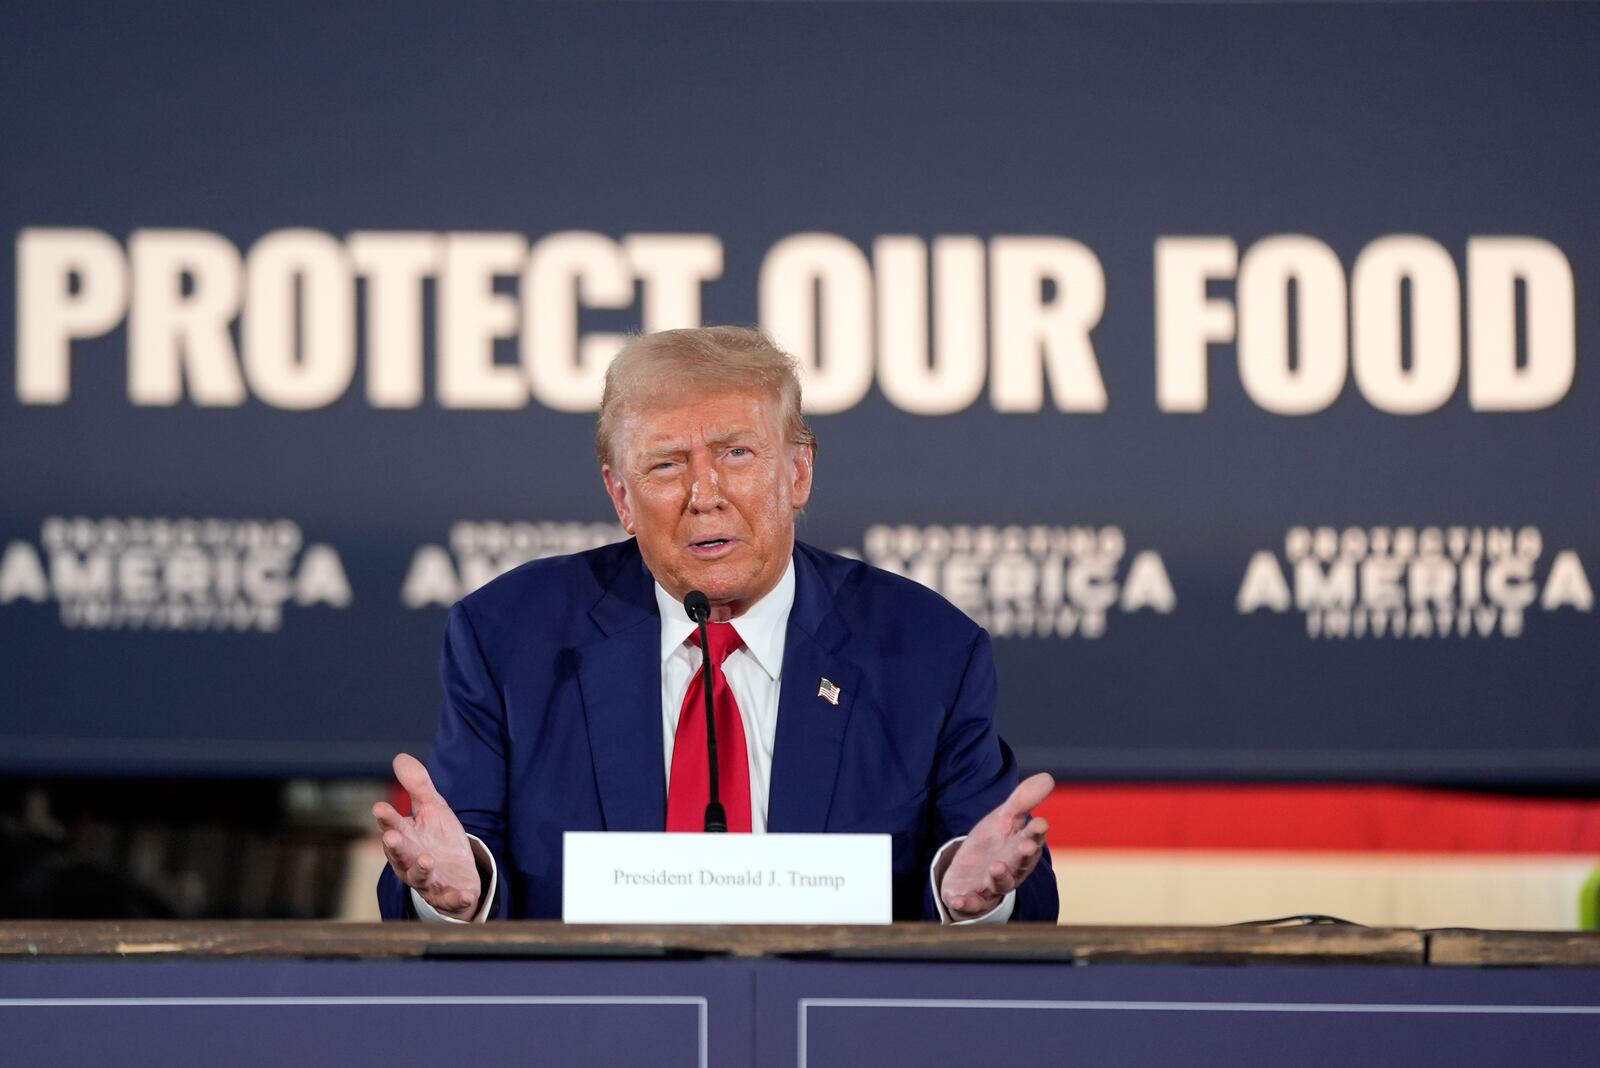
{"points": [[698, 605]]}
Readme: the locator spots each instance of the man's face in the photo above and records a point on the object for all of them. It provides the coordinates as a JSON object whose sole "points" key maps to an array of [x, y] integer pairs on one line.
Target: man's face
{"points": [[710, 488]]}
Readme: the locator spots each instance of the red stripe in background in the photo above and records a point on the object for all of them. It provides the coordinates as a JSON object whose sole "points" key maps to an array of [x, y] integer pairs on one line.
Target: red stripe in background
{"points": [[1352, 818]]}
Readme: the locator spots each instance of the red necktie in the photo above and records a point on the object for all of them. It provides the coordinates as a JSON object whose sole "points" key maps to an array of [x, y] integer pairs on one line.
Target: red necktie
{"points": [[689, 787]]}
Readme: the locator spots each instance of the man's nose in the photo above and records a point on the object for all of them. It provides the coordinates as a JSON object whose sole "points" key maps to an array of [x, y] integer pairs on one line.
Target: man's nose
{"points": [[704, 492]]}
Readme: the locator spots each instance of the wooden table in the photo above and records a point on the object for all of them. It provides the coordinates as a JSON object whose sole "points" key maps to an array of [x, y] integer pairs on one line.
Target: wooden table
{"points": [[149, 993]]}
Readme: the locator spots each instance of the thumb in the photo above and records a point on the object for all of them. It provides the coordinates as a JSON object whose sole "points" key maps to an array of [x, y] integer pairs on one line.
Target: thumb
{"points": [[410, 773], [1031, 792]]}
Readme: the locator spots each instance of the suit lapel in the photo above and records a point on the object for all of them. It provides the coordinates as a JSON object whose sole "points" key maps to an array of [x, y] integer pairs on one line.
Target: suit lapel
{"points": [[810, 737], [620, 677]]}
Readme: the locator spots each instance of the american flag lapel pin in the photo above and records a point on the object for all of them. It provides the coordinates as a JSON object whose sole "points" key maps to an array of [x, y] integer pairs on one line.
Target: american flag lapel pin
{"points": [[828, 692]]}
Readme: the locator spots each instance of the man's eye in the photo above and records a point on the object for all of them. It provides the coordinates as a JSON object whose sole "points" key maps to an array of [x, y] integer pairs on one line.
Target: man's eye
{"points": [[738, 450]]}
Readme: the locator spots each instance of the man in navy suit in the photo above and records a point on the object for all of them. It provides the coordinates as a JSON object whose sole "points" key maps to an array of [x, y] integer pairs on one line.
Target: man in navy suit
{"points": [[849, 699]]}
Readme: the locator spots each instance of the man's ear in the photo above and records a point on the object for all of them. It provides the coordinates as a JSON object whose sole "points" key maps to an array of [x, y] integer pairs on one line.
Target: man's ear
{"points": [[800, 488], [617, 490]]}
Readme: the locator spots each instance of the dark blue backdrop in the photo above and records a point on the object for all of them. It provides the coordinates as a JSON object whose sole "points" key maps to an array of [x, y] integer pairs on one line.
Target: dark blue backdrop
{"points": [[1110, 124]]}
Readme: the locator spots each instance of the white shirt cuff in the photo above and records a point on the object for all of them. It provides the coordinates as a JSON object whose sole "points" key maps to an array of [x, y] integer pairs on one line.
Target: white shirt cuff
{"points": [[480, 853], [941, 860]]}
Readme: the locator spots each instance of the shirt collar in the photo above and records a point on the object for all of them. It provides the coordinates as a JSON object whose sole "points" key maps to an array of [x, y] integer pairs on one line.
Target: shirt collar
{"points": [[762, 627]]}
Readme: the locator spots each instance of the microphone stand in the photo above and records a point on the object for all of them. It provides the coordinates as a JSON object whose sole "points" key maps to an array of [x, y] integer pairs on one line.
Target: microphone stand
{"points": [[698, 605]]}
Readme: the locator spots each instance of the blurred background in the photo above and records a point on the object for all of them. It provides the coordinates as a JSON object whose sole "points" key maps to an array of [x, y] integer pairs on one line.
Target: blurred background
{"points": [[1227, 361]]}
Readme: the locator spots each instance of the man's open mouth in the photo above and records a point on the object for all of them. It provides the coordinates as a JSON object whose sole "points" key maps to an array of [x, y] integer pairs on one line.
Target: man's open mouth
{"points": [[708, 548]]}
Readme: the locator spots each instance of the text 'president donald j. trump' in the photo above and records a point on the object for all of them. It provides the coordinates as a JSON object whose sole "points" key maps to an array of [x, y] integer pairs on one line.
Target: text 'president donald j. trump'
{"points": [[848, 699]]}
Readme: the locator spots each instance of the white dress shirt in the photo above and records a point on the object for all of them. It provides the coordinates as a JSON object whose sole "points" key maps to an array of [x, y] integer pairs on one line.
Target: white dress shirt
{"points": [[754, 672]]}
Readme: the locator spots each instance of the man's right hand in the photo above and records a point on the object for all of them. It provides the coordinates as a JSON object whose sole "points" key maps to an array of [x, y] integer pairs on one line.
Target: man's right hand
{"points": [[428, 850]]}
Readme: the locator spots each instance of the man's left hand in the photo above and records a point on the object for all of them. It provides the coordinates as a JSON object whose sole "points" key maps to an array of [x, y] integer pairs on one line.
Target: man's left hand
{"points": [[998, 853]]}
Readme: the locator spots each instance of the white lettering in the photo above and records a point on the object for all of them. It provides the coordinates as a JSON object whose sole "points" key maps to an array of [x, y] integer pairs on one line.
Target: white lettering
{"points": [[1187, 321], [1567, 584], [1147, 585], [566, 370], [953, 379], [321, 578], [431, 579], [394, 266], [1495, 267], [312, 366], [186, 290], [70, 284], [22, 575], [1033, 331], [472, 315], [1381, 273], [1297, 375], [672, 268], [1264, 585], [816, 303]]}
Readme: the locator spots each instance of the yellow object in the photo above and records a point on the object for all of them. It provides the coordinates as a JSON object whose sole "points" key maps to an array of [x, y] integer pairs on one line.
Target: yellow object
{"points": [[1589, 903]]}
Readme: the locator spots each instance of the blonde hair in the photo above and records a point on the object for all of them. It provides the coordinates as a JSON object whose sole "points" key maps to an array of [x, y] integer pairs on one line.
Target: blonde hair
{"points": [[706, 359]]}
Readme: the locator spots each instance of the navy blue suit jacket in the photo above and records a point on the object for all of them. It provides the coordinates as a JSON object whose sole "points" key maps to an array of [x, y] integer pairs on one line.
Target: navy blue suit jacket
{"points": [[552, 721]]}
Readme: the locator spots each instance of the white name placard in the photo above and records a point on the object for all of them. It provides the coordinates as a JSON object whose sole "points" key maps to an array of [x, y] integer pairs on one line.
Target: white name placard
{"points": [[627, 877]]}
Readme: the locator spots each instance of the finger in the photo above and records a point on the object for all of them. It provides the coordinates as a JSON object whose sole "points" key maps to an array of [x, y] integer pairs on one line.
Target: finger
{"points": [[388, 819], [1033, 835], [985, 884], [399, 869], [419, 874], [1000, 881], [999, 878], [969, 905], [963, 904], [401, 851], [1031, 792], [401, 859], [1025, 869], [391, 852], [410, 773]]}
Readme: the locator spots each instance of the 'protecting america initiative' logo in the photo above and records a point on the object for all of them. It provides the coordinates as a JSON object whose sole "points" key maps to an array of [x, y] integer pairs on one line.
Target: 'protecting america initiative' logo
{"points": [[1028, 581], [1414, 582], [172, 574]]}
